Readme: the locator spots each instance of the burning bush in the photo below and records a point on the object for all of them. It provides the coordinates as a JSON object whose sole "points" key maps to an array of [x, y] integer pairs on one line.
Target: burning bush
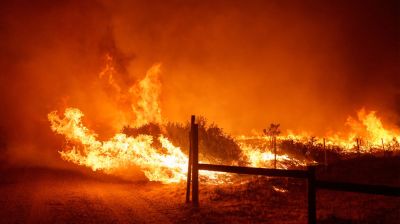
{"points": [[152, 129], [147, 129], [214, 145]]}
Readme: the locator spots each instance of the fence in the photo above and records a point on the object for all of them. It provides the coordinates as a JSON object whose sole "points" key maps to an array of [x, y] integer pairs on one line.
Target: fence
{"points": [[312, 184]]}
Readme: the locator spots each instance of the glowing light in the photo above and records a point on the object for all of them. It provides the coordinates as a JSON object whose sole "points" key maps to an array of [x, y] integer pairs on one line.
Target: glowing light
{"points": [[167, 163]]}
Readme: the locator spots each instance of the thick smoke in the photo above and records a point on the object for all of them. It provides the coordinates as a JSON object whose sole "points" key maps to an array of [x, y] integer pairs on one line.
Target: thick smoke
{"points": [[243, 64], [51, 55]]}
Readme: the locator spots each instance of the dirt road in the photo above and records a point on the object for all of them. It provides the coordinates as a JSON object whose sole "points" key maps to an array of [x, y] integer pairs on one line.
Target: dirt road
{"points": [[57, 197], [40, 195]]}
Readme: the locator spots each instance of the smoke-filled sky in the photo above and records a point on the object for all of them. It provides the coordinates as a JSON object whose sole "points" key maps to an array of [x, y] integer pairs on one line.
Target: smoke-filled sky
{"points": [[242, 64]]}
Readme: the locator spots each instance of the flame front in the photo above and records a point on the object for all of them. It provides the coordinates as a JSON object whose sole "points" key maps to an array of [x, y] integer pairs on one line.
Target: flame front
{"points": [[161, 161], [369, 128], [366, 134], [167, 164], [261, 157]]}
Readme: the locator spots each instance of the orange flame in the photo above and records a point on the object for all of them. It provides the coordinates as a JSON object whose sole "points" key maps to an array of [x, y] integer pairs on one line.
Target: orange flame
{"points": [[366, 133], [166, 165], [166, 162], [257, 157], [148, 91]]}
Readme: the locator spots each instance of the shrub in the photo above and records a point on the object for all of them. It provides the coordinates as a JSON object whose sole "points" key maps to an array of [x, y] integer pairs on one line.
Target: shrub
{"points": [[214, 145]]}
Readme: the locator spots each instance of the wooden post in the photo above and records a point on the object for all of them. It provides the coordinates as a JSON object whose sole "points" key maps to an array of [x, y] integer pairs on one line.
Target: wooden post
{"points": [[189, 173], [358, 140], [325, 157], [195, 162], [383, 148], [274, 142], [370, 147], [311, 193]]}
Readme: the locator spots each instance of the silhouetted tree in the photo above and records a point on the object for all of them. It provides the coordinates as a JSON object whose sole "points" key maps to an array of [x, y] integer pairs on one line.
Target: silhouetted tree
{"points": [[273, 131]]}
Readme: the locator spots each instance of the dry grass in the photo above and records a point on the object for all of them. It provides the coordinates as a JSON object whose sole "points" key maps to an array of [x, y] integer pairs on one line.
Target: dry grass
{"points": [[284, 200]]}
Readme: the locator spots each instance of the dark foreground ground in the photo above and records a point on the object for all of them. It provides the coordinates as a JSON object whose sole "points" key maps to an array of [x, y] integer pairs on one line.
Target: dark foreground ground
{"points": [[41, 195]]}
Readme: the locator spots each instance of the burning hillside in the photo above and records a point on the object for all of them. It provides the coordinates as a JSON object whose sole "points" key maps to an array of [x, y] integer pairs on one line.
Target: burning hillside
{"points": [[291, 102], [161, 160]]}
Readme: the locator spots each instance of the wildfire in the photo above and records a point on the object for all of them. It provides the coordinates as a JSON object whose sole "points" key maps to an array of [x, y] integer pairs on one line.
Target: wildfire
{"points": [[370, 132], [167, 164], [366, 134], [161, 161], [264, 157]]}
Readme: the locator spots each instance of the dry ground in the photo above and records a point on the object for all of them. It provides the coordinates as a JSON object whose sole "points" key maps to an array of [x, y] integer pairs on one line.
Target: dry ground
{"points": [[40, 195], [54, 196]]}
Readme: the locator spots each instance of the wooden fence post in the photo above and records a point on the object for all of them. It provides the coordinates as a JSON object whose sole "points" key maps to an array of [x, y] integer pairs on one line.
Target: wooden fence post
{"points": [[311, 193], [383, 148], [325, 156], [189, 173], [274, 142], [370, 147], [195, 162]]}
